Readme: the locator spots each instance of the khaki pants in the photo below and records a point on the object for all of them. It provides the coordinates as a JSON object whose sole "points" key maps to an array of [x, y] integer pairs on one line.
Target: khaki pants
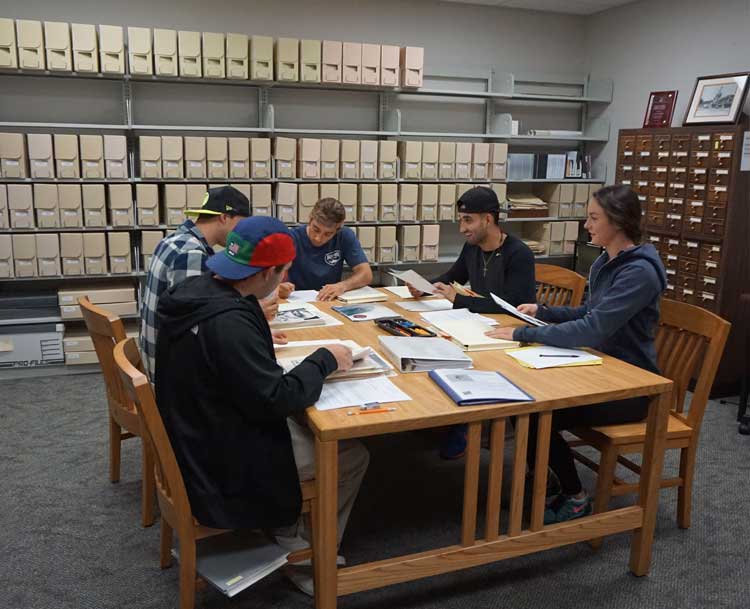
{"points": [[353, 461]]}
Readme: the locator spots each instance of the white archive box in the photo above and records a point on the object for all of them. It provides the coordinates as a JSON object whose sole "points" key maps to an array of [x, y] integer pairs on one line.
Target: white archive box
{"points": [[310, 60], [387, 246], [4, 216], [430, 158], [368, 203], [176, 201], [118, 247], [308, 158], [6, 257], [194, 195], [388, 203], [427, 210], [261, 199], [195, 157], [48, 255], [287, 59], [367, 236], [351, 63], [368, 159], [408, 199], [412, 66], [260, 158], [329, 191], [498, 162], [349, 159], [390, 65], [408, 242], [85, 47], [12, 155], [71, 253], [261, 58], [286, 202], [116, 157], [349, 198], [111, 49], [118, 308], [165, 52], [46, 205], [57, 46], [70, 202], [214, 58], [67, 156], [149, 148], [371, 64], [189, 53], [41, 155], [24, 255], [94, 205], [94, 254], [172, 155], [30, 45], [331, 62], [480, 161], [8, 52], [149, 240], [446, 202], [447, 161], [239, 158], [120, 205], [329, 159], [430, 241], [463, 160], [92, 157], [285, 156], [147, 202], [387, 160], [140, 50], [307, 197], [238, 56], [20, 205]]}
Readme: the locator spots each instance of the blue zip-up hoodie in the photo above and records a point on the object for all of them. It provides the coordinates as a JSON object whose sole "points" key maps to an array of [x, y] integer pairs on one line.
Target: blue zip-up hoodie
{"points": [[620, 315]]}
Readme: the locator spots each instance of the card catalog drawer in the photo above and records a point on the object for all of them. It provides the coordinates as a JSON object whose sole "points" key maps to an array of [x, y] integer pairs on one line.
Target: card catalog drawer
{"points": [[658, 189], [694, 225], [713, 212], [644, 143], [713, 227], [710, 253], [670, 245], [657, 204], [673, 222], [690, 248], [689, 282], [655, 219], [723, 141], [700, 158], [675, 206], [695, 207], [697, 192], [721, 159], [709, 268], [688, 266], [718, 195], [680, 143], [708, 284], [718, 177], [702, 142], [679, 158]]}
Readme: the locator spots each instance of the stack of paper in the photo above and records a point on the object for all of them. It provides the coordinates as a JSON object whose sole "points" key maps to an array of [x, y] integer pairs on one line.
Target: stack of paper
{"points": [[423, 354], [341, 394], [437, 317], [295, 316], [365, 294], [553, 357], [425, 305]]}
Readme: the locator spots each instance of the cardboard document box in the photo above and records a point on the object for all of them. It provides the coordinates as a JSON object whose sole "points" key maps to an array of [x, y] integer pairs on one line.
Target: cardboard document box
{"points": [[70, 202], [12, 155], [261, 58], [94, 205], [286, 202], [408, 243], [67, 163], [446, 202], [48, 255], [94, 254], [570, 238], [176, 200], [408, 202], [195, 157], [410, 154], [121, 204], [501, 190], [118, 245], [428, 203], [238, 56], [388, 208], [480, 163], [260, 158], [308, 196], [57, 45], [244, 189], [349, 197], [498, 161], [214, 58], [287, 59], [349, 159], [412, 66], [329, 191], [41, 157], [461, 189], [147, 202], [430, 157], [81, 358], [92, 157], [310, 60], [351, 64], [557, 238], [85, 47], [285, 155], [150, 156], [20, 206], [6, 257], [8, 53], [367, 236], [308, 153], [189, 51], [239, 158], [387, 246], [580, 193], [261, 199], [463, 161], [368, 159], [447, 161], [71, 253], [387, 159], [46, 206], [111, 49], [165, 52], [329, 159], [172, 166], [390, 65], [4, 217], [24, 255], [368, 203], [371, 64], [118, 308], [140, 50], [30, 45], [116, 157], [149, 240], [430, 241], [332, 55]]}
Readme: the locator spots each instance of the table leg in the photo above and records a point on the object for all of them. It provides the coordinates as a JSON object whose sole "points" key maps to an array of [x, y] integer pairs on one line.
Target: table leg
{"points": [[325, 526], [650, 482]]}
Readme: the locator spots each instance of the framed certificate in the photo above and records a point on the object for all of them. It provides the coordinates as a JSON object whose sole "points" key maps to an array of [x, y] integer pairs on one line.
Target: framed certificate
{"points": [[660, 109]]}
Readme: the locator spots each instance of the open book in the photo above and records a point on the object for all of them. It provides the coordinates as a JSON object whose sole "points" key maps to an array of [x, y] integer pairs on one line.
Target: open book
{"points": [[469, 334], [366, 361], [360, 295]]}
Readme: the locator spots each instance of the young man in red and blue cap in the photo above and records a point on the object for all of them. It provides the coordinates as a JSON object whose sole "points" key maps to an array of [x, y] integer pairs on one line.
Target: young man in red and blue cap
{"points": [[227, 405]]}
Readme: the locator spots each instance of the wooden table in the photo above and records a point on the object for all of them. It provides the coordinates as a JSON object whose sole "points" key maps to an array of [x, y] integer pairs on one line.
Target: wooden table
{"points": [[552, 389]]}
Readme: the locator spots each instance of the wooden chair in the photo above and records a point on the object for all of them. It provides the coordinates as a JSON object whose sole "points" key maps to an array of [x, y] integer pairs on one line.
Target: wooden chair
{"points": [[106, 329], [557, 287], [689, 344], [176, 514]]}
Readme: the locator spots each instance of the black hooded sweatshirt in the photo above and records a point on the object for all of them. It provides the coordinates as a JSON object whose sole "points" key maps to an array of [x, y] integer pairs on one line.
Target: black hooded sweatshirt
{"points": [[224, 401]]}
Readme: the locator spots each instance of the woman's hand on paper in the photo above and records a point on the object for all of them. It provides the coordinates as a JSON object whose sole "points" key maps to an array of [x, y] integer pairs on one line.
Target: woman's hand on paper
{"points": [[502, 333]]}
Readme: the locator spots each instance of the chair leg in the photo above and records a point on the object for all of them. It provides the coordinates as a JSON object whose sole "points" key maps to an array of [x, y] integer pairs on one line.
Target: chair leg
{"points": [[115, 439], [165, 545], [148, 488], [187, 574], [685, 491], [604, 481]]}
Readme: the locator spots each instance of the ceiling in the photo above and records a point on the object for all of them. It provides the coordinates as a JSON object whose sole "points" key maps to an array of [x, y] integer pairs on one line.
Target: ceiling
{"points": [[573, 7]]}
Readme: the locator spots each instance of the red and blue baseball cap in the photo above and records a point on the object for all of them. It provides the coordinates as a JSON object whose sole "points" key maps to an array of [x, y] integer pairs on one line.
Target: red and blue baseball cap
{"points": [[255, 244]]}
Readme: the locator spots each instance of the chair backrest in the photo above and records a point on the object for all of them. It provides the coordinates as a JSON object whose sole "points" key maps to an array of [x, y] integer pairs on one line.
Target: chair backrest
{"points": [[106, 330], [556, 286], [170, 487], [689, 344]]}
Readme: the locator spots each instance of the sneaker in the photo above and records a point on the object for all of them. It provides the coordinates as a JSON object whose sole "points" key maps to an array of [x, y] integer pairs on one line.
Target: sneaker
{"points": [[553, 489], [301, 574], [565, 507], [453, 445]]}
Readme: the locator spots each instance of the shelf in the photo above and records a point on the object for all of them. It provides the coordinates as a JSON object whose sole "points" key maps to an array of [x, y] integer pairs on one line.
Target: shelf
{"points": [[65, 181], [544, 219], [555, 181], [62, 74], [86, 126], [7, 374], [73, 278], [196, 128], [78, 229]]}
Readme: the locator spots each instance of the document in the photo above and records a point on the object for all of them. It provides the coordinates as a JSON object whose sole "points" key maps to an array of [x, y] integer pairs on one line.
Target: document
{"points": [[516, 313], [328, 320], [358, 393], [553, 357], [469, 334], [365, 294], [474, 387], [415, 279], [365, 312], [399, 290], [421, 306], [437, 317], [303, 296]]}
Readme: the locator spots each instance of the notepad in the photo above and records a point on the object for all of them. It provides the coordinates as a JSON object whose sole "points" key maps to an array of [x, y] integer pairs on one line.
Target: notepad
{"points": [[541, 357], [425, 305], [469, 334], [365, 294], [475, 387]]}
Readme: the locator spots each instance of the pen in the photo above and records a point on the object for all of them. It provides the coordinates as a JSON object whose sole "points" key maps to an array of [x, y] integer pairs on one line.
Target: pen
{"points": [[546, 355], [372, 411]]}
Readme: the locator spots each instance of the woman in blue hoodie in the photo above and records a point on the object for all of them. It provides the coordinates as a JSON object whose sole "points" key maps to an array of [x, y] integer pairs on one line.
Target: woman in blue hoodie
{"points": [[619, 318]]}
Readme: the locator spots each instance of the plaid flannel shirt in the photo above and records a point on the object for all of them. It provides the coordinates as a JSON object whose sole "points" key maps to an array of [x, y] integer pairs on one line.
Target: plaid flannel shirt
{"points": [[178, 256]]}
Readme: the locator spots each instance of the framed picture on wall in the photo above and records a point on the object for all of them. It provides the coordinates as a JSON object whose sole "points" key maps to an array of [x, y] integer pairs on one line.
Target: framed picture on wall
{"points": [[717, 100]]}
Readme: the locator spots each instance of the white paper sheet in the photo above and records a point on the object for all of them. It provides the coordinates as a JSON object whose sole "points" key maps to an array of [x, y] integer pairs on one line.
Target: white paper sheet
{"points": [[341, 394], [399, 290], [365, 312], [435, 317], [513, 311], [436, 304], [329, 320], [415, 279], [303, 296]]}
